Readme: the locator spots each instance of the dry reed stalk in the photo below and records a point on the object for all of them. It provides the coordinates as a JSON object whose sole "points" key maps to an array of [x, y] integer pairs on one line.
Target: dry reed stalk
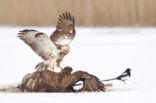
{"points": [[86, 12]]}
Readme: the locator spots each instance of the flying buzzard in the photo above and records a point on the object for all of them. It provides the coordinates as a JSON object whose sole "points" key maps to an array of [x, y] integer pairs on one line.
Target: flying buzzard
{"points": [[52, 49]]}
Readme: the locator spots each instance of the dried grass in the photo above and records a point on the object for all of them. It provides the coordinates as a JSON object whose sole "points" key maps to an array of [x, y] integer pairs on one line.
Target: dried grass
{"points": [[86, 12]]}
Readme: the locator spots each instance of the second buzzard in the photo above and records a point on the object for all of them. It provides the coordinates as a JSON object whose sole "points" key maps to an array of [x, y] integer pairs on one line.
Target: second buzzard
{"points": [[52, 49]]}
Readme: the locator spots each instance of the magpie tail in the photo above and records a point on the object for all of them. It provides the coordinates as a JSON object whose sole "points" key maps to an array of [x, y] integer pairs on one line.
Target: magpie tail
{"points": [[108, 80]]}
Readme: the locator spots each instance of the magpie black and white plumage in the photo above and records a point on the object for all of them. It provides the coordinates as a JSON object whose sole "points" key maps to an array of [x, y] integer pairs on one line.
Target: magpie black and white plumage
{"points": [[123, 77], [76, 86]]}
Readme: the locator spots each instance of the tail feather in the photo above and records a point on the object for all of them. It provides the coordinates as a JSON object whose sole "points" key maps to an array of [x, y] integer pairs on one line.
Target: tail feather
{"points": [[41, 66], [108, 79]]}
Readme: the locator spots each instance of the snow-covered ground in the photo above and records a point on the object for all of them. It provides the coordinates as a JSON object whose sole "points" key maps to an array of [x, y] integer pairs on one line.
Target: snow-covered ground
{"points": [[104, 52]]}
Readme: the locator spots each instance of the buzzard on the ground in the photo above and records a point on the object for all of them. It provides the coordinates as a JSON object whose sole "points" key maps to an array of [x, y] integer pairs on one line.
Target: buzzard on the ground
{"points": [[52, 49]]}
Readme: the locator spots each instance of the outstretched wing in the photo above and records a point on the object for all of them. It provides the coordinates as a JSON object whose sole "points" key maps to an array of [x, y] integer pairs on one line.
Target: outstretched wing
{"points": [[39, 42], [65, 30]]}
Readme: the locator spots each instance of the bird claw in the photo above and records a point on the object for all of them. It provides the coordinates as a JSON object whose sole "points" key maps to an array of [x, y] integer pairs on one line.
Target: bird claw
{"points": [[60, 68]]}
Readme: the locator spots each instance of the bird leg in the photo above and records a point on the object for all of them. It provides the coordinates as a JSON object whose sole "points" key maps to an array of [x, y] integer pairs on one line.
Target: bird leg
{"points": [[123, 81], [52, 63], [59, 63]]}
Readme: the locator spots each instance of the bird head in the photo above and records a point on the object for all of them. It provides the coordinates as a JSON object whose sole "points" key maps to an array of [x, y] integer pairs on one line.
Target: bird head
{"points": [[128, 70], [67, 70]]}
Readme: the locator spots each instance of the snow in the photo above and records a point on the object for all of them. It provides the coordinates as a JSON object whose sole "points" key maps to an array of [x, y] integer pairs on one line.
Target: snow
{"points": [[104, 52]]}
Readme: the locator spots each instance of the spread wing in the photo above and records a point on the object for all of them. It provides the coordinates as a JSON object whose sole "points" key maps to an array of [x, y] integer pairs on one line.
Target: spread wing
{"points": [[39, 42], [65, 30]]}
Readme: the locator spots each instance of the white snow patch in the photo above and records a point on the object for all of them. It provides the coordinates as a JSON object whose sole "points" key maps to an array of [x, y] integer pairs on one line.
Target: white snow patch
{"points": [[104, 52]]}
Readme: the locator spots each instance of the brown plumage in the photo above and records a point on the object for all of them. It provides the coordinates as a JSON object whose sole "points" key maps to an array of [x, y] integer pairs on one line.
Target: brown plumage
{"points": [[65, 25], [48, 81], [52, 49]]}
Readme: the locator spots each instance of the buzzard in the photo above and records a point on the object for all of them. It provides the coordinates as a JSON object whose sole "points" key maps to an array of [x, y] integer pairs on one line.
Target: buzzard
{"points": [[64, 81], [52, 49]]}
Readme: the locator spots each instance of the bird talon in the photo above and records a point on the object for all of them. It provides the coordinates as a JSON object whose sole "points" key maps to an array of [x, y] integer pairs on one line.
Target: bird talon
{"points": [[60, 68]]}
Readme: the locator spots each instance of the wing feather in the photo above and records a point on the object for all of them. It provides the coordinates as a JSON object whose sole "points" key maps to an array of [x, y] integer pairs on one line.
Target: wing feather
{"points": [[65, 30], [39, 42]]}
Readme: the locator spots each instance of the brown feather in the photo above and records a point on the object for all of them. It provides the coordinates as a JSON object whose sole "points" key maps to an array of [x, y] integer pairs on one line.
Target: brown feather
{"points": [[65, 29], [36, 43], [49, 81], [38, 34]]}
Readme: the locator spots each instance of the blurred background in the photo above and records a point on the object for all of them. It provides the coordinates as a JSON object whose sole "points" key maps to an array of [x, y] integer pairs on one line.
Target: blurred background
{"points": [[86, 12]]}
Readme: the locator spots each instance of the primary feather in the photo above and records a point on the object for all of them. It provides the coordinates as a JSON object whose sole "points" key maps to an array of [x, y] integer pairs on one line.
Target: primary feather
{"points": [[40, 43], [65, 32]]}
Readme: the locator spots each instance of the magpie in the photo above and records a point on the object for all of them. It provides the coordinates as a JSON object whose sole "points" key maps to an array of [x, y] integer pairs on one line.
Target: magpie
{"points": [[76, 86], [123, 77]]}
